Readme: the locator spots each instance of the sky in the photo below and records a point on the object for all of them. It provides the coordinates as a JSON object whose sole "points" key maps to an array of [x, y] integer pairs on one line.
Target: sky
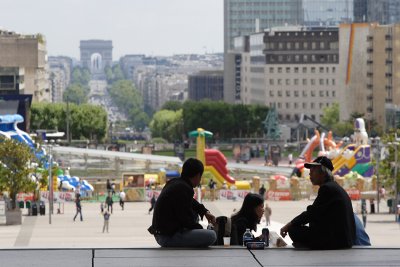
{"points": [[150, 27]]}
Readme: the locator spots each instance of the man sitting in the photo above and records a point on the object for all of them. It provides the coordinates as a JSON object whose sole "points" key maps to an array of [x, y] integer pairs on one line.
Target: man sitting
{"points": [[176, 212], [330, 217]]}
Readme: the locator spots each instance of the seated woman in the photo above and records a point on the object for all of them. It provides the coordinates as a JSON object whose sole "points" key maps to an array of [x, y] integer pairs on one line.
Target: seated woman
{"points": [[247, 217]]}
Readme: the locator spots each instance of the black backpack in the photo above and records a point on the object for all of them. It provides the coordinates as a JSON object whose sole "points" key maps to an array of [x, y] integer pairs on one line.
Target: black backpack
{"points": [[224, 227]]}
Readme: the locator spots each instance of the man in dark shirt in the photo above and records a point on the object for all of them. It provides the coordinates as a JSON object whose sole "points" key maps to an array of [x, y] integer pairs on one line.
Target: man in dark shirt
{"points": [[330, 217], [176, 212]]}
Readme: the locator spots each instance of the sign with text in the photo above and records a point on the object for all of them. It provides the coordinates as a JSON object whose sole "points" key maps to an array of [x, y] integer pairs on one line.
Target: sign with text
{"points": [[279, 195], [233, 194], [58, 196]]}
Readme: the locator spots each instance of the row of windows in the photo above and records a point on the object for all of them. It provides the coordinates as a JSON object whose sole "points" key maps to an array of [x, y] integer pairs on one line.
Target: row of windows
{"points": [[326, 58], [279, 3], [302, 45], [303, 69], [303, 81], [295, 117], [296, 93], [302, 105]]}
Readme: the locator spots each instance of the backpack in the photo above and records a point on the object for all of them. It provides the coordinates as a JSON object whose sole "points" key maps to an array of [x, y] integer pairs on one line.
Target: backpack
{"points": [[224, 227]]}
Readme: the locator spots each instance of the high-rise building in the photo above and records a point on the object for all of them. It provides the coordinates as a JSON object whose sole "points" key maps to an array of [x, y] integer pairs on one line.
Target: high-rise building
{"points": [[241, 16], [327, 12], [370, 68], [381, 11], [60, 76], [25, 55], [206, 85], [244, 17], [292, 68]]}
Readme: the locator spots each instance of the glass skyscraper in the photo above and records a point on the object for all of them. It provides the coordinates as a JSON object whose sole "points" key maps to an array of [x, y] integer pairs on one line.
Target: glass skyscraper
{"points": [[327, 12], [241, 16], [381, 11]]}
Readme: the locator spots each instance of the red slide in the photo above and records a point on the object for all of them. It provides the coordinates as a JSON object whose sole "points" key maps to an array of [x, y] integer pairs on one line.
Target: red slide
{"points": [[217, 160]]}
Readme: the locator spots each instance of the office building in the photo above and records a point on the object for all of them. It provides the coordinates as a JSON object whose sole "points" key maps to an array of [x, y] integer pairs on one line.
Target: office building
{"points": [[380, 11], [327, 12], [244, 17], [206, 85], [25, 56], [293, 68], [371, 71]]}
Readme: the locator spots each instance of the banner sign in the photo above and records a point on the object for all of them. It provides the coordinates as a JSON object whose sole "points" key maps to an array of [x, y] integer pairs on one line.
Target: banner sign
{"points": [[354, 194], [58, 196], [279, 195], [233, 194]]}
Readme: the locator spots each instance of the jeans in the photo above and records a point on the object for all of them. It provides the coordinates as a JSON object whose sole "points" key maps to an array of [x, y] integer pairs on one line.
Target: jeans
{"points": [[196, 238], [105, 226]]}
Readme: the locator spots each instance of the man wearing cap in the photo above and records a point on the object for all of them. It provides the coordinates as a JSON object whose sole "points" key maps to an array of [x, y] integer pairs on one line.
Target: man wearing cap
{"points": [[330, 218]]}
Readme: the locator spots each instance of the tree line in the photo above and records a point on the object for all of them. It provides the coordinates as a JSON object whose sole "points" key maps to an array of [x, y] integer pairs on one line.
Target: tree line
{"points": [[85, 121], [225, 120]]}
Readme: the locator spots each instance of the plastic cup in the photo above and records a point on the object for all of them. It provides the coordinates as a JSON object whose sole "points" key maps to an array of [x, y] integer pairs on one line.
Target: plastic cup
{"points": [[227, 241]]}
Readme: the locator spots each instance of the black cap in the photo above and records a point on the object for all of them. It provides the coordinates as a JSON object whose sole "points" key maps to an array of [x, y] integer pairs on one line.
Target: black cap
{"points": [[320, 161]]}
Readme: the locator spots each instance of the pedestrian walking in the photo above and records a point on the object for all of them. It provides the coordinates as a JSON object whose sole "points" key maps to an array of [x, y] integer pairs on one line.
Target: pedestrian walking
{"points": [[212, 186], [290, 158], [267, 214], [108, 185], [262, 190], [152, 203], [364, 212], [78, 207], [122, 199], [106, 216], [109, 203]]}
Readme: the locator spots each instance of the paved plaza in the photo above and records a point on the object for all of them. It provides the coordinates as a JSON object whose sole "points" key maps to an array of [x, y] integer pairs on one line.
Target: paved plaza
{"points": [[128, 243]]}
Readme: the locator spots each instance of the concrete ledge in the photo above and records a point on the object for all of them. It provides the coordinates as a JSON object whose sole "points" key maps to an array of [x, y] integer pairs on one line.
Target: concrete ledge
{"points": [[215, 256]]}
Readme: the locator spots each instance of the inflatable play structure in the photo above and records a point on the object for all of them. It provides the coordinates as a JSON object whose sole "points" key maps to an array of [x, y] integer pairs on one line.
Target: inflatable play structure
{"points": [[354, 157], [214, 162], [9, 129]]}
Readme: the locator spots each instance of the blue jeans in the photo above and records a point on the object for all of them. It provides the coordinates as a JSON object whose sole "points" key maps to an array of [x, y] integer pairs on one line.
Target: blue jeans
{"points": [[196, 238]]}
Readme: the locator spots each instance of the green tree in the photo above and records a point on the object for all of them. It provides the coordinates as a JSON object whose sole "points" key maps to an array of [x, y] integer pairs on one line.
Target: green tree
{"points": [[172, 105], [167, 124], [80, 76], [117, 73], [86, 121], [223, 119], [76, 93], [128, 98], [387, 166], [14, 168], [330, 116], [109, 74]]}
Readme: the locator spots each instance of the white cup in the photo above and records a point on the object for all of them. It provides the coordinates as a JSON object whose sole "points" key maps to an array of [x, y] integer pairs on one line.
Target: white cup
{"points": [[227, 241]]}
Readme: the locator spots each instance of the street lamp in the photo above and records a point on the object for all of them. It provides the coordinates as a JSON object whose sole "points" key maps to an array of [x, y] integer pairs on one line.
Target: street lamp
{"points": [[376, 148], [395, 144], [50, 146]]}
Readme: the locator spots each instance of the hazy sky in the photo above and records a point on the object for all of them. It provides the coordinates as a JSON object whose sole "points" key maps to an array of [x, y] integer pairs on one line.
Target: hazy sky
{"points": [[151, 27]]}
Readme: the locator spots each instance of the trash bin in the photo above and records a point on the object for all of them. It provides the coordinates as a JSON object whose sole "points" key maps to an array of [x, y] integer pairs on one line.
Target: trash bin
{"points": [[28, 204], [34, 209], [21, 204], [42, 208]]}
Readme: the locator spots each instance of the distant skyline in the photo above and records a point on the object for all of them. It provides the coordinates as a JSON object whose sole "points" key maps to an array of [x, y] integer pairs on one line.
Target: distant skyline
{"points": [[150, 27]]}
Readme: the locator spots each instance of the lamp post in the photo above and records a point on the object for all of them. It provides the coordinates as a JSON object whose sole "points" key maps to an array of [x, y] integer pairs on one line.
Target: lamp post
{"points": [[50, 146], [376, 143], [395, 144]]}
